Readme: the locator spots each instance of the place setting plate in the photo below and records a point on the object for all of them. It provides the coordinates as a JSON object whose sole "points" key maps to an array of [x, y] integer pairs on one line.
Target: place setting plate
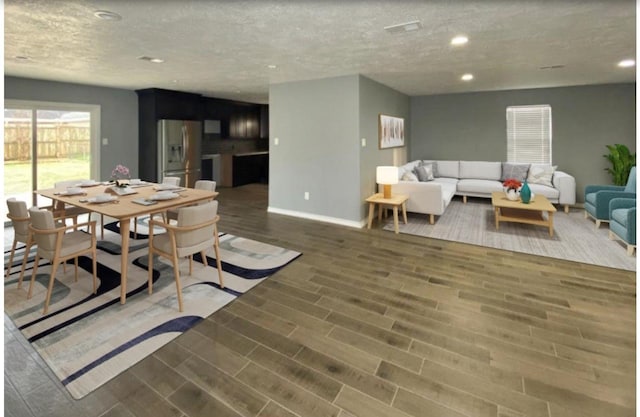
{"points": [[164, 196], [99, 200], [88, 183], [71, 191]]}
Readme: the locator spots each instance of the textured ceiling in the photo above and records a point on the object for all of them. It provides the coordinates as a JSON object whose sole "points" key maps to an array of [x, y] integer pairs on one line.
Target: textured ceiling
{"points": [[223, 48]]}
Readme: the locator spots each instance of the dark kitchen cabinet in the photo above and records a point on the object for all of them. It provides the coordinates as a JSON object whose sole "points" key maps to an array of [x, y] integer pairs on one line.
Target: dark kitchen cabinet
{"points": [[155, 104]]}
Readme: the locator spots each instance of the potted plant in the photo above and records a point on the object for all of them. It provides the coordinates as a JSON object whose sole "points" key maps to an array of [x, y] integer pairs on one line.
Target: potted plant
{"points": [[621, 162]]}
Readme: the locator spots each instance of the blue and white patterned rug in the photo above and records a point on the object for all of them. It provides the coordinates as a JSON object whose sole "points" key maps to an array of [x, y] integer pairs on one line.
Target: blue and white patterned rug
{"points": [[87, 340]]}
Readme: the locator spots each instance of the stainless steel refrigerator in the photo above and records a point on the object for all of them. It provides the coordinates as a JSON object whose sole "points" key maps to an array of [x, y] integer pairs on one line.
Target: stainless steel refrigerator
{"points": [[179, 143]]}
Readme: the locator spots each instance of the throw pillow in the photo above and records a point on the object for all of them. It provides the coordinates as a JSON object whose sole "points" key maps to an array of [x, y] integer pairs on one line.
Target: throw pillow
{"points": [[424, 173], [541, 174], [409, 176], [434, 167], [513, 170]]}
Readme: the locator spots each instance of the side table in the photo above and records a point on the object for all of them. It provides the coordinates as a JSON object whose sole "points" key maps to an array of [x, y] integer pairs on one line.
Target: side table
{"points": [[397, 200]]}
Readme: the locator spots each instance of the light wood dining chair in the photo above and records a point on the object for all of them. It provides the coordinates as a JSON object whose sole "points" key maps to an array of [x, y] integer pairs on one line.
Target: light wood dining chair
{"points": [[19, 216], [196, 231], [58, 246], [172, 214]]}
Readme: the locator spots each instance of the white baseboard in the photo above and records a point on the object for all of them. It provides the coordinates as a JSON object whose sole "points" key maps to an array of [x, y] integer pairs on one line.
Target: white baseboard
{"points": [[318, 217]]}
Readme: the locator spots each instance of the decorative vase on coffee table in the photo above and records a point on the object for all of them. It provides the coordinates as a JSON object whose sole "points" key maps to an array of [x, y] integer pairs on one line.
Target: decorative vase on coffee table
{"points": [[525, 193]]}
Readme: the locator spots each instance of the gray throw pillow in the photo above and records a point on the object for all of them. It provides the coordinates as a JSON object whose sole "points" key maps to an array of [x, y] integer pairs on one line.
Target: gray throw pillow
{"points": [[434, 167], [424, 173], [514, 170]]}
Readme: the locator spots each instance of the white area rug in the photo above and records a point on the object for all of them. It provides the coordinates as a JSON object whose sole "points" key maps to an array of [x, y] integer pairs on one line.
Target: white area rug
{"points": [[575, 238], [88, 339]]}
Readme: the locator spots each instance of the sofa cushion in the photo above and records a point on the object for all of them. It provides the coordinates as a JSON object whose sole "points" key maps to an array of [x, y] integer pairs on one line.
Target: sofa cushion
{"points": [[449, 169], [480, 170], [449, 181], [476, 186], [409, 176], [434, 167], [514, 170], [541, 174], [551, 193], [408, 167], [424, 172]]}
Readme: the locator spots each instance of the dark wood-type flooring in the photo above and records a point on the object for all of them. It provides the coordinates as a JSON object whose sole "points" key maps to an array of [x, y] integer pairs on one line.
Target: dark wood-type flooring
{"points": [[369, 323]]}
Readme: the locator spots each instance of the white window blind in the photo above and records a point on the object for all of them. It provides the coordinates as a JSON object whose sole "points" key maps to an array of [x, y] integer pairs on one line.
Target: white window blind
{"points": [[529, 134]]}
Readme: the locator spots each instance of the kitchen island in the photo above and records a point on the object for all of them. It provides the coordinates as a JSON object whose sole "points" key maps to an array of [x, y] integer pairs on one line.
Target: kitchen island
{"points": [[245, 168]]}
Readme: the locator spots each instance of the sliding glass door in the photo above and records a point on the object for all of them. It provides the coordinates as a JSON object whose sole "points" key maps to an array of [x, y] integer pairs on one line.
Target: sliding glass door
{"points": [[45, 143]]}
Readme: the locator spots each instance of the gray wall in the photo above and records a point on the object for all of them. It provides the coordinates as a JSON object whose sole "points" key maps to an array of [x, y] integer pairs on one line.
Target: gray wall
{"points": [[376, 99], [316, 124], [118, 115], [320, 125], [472, 126]]}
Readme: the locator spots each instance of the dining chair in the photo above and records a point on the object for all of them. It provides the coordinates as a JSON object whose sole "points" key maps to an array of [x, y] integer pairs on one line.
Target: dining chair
{"points": [[196, 231], [69, 211], [171, 180], [166, 180], [19, 216], [58, 246], [172, 214]]}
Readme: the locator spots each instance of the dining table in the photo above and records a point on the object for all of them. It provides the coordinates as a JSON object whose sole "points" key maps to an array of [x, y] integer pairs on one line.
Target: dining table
{"points": [[124, 204]]}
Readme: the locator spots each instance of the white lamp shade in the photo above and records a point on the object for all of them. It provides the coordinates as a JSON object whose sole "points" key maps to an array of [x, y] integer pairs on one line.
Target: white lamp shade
{"points": [[387, 175]]}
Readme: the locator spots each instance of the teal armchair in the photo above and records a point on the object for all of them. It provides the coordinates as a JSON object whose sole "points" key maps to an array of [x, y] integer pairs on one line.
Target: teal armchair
{"points": [[622, 223], [597, 197]]}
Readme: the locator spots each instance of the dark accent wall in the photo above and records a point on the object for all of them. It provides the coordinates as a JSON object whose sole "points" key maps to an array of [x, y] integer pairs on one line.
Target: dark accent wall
{"points": [[472, 126]]}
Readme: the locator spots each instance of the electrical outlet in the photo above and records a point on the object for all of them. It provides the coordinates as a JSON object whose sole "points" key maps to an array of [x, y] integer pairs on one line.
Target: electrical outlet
{"points": [[306, 195], [276, 141], [105, 141], [364, 142]]}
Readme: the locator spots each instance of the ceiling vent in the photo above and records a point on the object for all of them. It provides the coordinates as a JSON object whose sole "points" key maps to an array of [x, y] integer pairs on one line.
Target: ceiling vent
{"points": [[404, 27]]}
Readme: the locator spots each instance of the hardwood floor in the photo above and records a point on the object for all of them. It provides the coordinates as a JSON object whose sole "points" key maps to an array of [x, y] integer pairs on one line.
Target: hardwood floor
{"points": [[367, 323]]}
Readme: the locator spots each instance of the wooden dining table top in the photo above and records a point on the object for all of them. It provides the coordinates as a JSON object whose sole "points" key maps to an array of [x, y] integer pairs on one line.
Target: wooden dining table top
{"points": [[124, 206]]}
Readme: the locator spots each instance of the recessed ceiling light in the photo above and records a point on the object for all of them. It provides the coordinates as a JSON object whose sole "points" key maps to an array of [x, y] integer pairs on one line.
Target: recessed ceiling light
{"points": [[467, 77], [107, 15], [459, 40], [151, 59], [404, 27], [271, 66], [626, 63]]}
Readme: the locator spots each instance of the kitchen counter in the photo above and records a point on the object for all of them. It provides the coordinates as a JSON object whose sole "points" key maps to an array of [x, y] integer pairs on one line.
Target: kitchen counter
{"points": [[245, 168], [251, 153]]}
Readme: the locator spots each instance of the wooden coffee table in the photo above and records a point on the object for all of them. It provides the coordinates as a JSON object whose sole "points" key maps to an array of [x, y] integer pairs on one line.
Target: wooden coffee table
{"points": [[517, 212]]}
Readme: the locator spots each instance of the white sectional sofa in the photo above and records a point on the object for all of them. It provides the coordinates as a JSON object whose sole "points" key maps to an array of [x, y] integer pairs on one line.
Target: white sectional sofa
{"points": [[476, 179]]}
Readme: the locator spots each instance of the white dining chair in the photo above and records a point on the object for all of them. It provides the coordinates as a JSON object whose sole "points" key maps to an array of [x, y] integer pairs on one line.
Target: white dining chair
{"points": [[68, 210], [196, 231], [172, 214], [58, 246], [171, 180]]}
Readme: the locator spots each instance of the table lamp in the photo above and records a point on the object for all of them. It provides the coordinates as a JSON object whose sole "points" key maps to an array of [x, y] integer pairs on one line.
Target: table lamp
{"points": [[387, 176]]}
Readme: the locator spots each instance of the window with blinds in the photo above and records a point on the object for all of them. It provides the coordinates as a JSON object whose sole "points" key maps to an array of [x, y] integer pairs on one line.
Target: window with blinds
{"points": [[529, 134]]}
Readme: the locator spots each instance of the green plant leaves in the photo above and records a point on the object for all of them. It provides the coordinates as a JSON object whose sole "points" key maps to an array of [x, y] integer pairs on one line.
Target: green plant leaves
{"points": [[621, 160]]}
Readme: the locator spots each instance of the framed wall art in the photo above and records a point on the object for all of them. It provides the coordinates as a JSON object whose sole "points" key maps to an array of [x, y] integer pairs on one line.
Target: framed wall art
{"points": [[390, 131]]}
